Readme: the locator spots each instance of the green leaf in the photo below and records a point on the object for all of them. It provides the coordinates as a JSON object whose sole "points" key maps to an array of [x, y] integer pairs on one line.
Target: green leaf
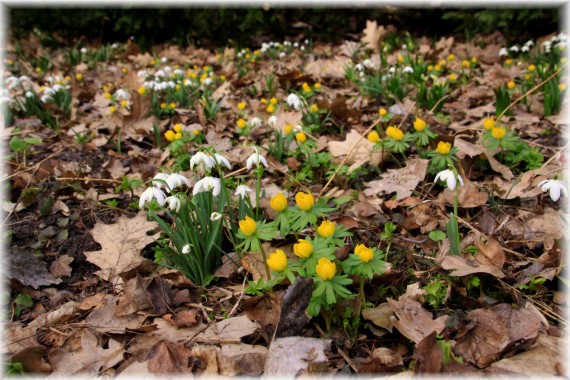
{"points": [[16, 144], [24, 300], [437, 235]]}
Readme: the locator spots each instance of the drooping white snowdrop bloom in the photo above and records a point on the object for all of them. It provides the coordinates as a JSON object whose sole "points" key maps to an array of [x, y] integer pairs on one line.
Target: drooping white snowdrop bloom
{"points": [[208, 184], [272, 121], [163, 59], [83, 50], [202, 159], [175, 180], [282, 55], [359, 67], [514, 49], [449, 177], [369, 64], [294, 101], [408, 69], [173, 203], [150, 193], [215, 216], [525, 49], [555, 186], [159, 180], [186, 249], [29, 94], [255, 159], [242, 191], [503, 52], [12, 82], [255, 122], [121, 94], [529, 43], [221, 160]]}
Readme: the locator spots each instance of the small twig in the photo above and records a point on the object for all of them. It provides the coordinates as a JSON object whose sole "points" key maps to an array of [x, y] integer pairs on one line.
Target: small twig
{"points": [[240, 297], [439, 101], [555, 155], [87, 179], [34, 165], [236, 172], [348, 360], [290, 177]]}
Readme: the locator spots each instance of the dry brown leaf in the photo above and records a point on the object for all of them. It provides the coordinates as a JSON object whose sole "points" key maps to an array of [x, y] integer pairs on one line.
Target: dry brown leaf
{"points": [[121, 244], [461, 266], [349, 48], [401, 181], [380, 315], [241, 359], [494, 332], [490, 252], [83, 355], [523, 187], [372, 34], [168, 358], [382, 360], [134, 297], [117, 169], [327, 68], [28, 269], [60, 267], [413, 321], [469, 196], [182, 318], [32, 359], [542, 228], [104, 318], [359, 156], [231, 328], [428, 355], [296, 356]]}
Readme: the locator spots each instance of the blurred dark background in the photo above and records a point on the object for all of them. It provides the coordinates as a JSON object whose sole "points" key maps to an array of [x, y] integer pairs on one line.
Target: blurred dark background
{"points": [[215, 26]]}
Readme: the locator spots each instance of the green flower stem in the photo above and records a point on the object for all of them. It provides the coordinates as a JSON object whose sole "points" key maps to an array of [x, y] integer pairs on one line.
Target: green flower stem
{"points": [[327, 317], [267, 272], [395, 159], [257, 191], [360, 299]]}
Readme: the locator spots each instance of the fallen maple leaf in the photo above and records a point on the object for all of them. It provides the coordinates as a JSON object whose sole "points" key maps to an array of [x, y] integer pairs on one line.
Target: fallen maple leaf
{"points": [[121, 244]]}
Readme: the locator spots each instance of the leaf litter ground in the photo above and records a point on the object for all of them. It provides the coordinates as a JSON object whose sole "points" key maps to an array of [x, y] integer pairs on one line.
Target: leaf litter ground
{"points": [[101, 306]]}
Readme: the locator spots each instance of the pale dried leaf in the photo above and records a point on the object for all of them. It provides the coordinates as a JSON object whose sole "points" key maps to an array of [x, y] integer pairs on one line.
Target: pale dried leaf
{"points": [[231, 328], [121, 244], [372, 34], [28, 269], [296, 356], [241, 359], [469, 196], [60, 267], [461, 266], [543, 228], [104, 318], [413, 321], [380, 315], [401, 181]]}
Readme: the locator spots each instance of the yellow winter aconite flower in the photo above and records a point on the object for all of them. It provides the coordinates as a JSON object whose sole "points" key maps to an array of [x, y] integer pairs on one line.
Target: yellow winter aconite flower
{"points": [[241, 123], [303, 248], [124, 70], [451, 57], [170, 135], [314, 108], [177, 87], [196, 132], [474, 59], [177, 135], [452, 77], [326, 228], [465, 63], [419, 124], [278, 202], [498, 132], [288, 129], [270, 108], [162, 105], [241, 106], [124, 103], [141, 90], [488, 123], [301, 137], [364, 253], [527, 76], [177, 127], [395, 133], [531, 68], [112, 109], [511, 84], [305, 201], [277, 261], [561, 86], [273, 100], [373, 137], [38, 70], [248, 226], [430, 67], [400, 58], [79, 76], [107, 95], [172, 105], [508, 61], [325, 269], [382, 112], [437, 67], [263, 101], [317, 86], [443, 148], [306, 87]]}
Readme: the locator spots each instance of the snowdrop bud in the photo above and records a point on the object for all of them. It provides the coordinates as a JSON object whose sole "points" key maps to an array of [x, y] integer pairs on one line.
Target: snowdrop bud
{"points": [[242, 191], [503, 52], [302, 48], [83, 50], [173, 203], [282, 54], [272, 121], [255, 122], [29, 94], [186, 249], [215, 216], [163, 59]]}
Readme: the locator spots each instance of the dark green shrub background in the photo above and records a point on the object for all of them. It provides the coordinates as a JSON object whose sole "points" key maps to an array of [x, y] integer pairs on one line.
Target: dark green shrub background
{"points": [[215, 26]]}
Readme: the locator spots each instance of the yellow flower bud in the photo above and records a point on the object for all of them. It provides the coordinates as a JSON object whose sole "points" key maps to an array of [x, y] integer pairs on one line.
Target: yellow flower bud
{"points": [[278, 202], [430, 67], [177, 135], [314, 108], [531, 68], [241, 106], [419, 124], [317, 85], [162, 105], [273, 100], [38, 70], [382, 112], [241, 123], [452, 77], [303, 249], [263, 101], [498, 132], [364, 253], [79, 76], [141, 90], [270, 108], [124, 103], [400, 58], [474, 59], [177, 127], [561, 87], [326, 269], [443, 148], [177, 87], [305, 201], [301, 137], [395, 133], [508, 61], [511, 84], [450, 57], [196, 132], [488, 123], [288, 129], [170, 135], [527, 76], [277, 261], [326, 229], [465, 63], [107, 95], [248, 226], [124, 70], [112, 109], [373, 137], [172, 105]]}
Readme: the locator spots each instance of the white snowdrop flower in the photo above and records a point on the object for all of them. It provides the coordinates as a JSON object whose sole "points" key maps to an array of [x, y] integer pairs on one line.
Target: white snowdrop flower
{"points": [[408, 69], [207, 81], [57, 87], [385, 78], [295, 102], [49, 91], [404, 47], [297, 128], [24, 78], [160, 73], [449, 177], [547, 45], [392, 70], [361, 74], [525, 49], [242, 191], [256, 159], [282, 55], [173, 203], [12, 82], [121, 94], [359, 67], [29, 94], [272, 121], [369, 64], [45, 98], [161, 86], [529, 43], [175, 180], [142, 73], [149, 85], [187, 82], [178, 72], [503, 52], [555, 186], [302, 48], [163, 59], [255, 122], [208, 184], [150, 193], [186, 249], [168, 69], [286, 43], [220, 160], [170, 84], [215, 216], [514, 48], [306, 42], [561, 45], [296, 45], [115, 45], [562, 36], [159, 180], [202, 159], [83, 50], [5, 100]]}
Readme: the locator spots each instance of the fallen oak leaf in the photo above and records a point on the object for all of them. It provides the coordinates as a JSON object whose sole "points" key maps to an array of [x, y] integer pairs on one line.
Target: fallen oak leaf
{"points": [[463, 267], [414, 322], [401, 181]]}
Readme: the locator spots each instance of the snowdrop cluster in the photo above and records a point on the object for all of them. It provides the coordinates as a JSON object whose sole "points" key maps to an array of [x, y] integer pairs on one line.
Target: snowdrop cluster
{"points": [[169, 182], [556, 41], [294, 101], [267, 46]]}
